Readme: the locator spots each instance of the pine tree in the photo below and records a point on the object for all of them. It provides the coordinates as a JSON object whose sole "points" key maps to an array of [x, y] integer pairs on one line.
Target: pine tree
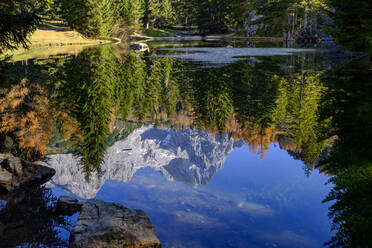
{"points": [[18, 19], [150, 12], [129, 12], [106, 17]]}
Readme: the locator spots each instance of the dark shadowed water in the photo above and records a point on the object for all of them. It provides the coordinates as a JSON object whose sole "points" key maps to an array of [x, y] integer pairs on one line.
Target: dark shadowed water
{"points": [[221, 144]]}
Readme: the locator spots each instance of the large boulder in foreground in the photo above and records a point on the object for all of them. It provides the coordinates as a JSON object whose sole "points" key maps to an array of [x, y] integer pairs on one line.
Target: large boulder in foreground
{"points": [[16, 172], [111, 225]]}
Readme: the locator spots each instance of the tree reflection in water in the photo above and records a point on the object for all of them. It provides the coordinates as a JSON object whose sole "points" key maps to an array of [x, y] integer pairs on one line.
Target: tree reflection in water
{"points": [[29, 220], [82, 97], [348, 109], [83, 103]]}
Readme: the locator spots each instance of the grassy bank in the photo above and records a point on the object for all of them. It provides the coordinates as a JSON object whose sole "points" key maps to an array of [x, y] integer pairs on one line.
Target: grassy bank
{"points": [[60, 38], [51, 38], [55, 37], [56, 33]]}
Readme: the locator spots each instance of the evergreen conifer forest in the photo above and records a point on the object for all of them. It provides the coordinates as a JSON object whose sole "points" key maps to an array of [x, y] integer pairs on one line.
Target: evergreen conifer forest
{"points": [[304, 21], [229, 123]]}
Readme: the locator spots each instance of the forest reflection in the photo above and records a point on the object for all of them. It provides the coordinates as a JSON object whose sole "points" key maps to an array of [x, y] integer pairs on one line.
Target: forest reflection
{"points": [[29, 219], [78, 99], [83, 103], [347, 111]]}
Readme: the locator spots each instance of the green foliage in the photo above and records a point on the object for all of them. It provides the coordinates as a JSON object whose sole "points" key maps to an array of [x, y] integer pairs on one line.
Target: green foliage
{"points": [[95, 85], [129, 13], [351, 210], [213, 99], [353, 24], [130, 80], [166, 13], [303, 20], [149, 12], [171, 93], [348, 105], [158, 13], [141, 75], [97, 18], [94, 19], [78, 16], [249, 100], [86, 93], [350, 90], [185, 12], [300, 19], [275, 15], [155, 32], [106, 17], [298, 110], [212, 15], [18, 19], [255, 94]]}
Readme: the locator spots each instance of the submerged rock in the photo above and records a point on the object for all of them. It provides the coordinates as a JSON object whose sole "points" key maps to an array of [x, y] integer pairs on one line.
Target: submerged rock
{"points": [[16, 172], [103, 224], [67, 205]]}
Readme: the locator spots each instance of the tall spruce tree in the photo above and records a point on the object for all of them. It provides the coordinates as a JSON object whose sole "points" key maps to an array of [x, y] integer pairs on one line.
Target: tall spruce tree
{"points": [[150, 12], [92, 18]]}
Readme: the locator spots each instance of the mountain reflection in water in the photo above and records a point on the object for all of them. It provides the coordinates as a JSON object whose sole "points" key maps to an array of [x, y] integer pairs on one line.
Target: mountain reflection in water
{"points": [[187, 156], [73, 102], [119, 118]]}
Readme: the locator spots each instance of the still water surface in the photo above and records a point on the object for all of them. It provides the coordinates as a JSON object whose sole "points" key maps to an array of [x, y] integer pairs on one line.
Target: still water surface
{"points": [[240, 200], [220, 144]]}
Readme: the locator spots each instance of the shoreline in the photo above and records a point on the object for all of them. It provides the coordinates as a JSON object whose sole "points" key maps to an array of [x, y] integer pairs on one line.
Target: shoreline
{"points": [[135, 38], [46, 50]]}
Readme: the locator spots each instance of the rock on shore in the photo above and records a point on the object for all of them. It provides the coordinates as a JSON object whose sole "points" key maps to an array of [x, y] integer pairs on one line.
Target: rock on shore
{"points": [[68, 205], [16, 172], [111, 225]]}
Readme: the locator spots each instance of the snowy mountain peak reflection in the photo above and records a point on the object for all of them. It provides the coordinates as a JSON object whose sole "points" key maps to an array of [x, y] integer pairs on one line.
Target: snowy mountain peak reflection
{"points": [[188, 156]]}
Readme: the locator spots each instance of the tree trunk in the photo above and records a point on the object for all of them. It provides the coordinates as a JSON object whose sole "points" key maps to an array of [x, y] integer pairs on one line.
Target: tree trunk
{"points": [[306, 15], [294, 20]]}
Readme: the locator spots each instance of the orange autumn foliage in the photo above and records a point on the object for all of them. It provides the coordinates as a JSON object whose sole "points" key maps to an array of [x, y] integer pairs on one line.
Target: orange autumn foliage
{"points": [[25, 113]]}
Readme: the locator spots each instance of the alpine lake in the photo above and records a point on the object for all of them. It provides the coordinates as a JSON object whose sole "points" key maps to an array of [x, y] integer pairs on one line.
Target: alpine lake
{"points": [[221, 143]]}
